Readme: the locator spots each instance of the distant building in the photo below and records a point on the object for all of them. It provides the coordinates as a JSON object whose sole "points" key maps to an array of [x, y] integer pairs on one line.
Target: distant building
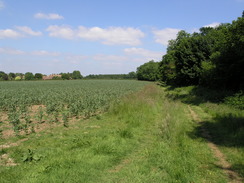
{"points": [[51, 76]]}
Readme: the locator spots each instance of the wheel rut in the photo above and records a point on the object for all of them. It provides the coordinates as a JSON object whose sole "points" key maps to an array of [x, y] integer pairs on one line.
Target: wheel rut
{"points": [[222, 162]]}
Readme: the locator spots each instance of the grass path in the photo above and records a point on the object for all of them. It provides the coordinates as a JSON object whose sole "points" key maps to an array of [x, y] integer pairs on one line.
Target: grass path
{"points": [[222, 162]]}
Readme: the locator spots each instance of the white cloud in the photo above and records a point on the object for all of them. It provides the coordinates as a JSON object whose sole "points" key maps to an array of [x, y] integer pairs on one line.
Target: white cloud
{"points": [[61, 32], [164, 35], [21, 31], [9, 33], [147, 54], [214, 24], [10, 51], [1, 5], [112, 35], [109, 36], [50, 16], [28, 31], [44, 53]]}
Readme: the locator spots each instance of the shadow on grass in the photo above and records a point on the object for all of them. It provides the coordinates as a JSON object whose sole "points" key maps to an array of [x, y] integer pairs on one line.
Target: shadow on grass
{"points": [[226, 126], [225, 130], [196, 95]]}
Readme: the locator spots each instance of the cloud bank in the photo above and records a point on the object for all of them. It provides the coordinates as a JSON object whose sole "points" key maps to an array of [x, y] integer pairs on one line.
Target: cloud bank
{"points": [[110, 36], [147, 54], [22, 31], [50, 16]]}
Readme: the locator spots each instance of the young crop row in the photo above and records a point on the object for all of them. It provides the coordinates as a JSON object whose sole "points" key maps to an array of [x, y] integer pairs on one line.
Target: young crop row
{"points": [[25, 105]]}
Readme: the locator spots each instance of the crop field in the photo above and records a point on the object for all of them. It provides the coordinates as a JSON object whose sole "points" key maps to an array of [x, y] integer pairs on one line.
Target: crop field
{"points": [[26, 106]]}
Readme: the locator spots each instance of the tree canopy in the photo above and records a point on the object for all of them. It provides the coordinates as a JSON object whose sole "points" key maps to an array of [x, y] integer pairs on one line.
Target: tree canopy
{"points": [[148, 71], [214, 57], [76, 75], [29, 76]]}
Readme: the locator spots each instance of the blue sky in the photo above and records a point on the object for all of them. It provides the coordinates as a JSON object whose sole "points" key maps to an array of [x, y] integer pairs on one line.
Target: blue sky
{"points": [[99, 36]]}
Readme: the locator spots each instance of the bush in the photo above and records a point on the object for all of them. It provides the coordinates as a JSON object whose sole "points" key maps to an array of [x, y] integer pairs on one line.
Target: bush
{"points": [[18, 78]]}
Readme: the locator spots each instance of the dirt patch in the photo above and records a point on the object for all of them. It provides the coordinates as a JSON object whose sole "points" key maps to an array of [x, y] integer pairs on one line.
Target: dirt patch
{"points": [[35, 108], [4, 146], [5, 160], [222, 163]]}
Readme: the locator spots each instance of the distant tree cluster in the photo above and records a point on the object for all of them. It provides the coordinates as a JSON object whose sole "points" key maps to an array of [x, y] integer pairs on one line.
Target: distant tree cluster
{"points": [[19, 76], [74, 75], [130, 75], [38, 76]]}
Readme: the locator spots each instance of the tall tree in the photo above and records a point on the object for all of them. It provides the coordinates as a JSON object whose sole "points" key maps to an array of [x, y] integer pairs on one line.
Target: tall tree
{"points": [[230, 60], [148, 71], [29, 76], [3, 76], [11, 76], [76, 75], [38, 76]]}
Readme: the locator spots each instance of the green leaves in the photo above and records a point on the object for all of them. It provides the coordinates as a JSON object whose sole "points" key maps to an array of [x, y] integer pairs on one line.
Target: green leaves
{"points": [[31, 156], [220, 47], [148, 71]]}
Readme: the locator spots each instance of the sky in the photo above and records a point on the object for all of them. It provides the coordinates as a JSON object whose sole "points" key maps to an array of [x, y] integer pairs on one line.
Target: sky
{"points": [[99, 36]]}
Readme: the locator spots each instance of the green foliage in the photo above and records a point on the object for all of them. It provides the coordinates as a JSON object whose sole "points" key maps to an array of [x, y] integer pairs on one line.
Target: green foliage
{"points": [[57, 78], [237, 100], [3, 76], [38, 76], [130, 75], [65, 76], [213, 58], [11, 76], [167, 68], [76, 75], [148, 71], [17, 78], [21, 75], [31, 156], [65, 118], [230, 63], [29, 76]]}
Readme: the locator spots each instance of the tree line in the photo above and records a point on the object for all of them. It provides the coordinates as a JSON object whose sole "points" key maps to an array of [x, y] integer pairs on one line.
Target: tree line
{"points": [[212, 57], [38, 76], [62, 76], [130, 75]]}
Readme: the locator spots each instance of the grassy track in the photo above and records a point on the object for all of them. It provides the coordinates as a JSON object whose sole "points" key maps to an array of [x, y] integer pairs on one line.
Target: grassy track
{"points": [[144, 138]]}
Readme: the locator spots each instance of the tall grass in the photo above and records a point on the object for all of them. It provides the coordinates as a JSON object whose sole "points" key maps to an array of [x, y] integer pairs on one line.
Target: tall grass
{"points": [[222, 115]]}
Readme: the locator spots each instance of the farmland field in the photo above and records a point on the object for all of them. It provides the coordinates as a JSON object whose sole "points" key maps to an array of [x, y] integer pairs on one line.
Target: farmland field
{"points": [[116, 131], [24, 105]]}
